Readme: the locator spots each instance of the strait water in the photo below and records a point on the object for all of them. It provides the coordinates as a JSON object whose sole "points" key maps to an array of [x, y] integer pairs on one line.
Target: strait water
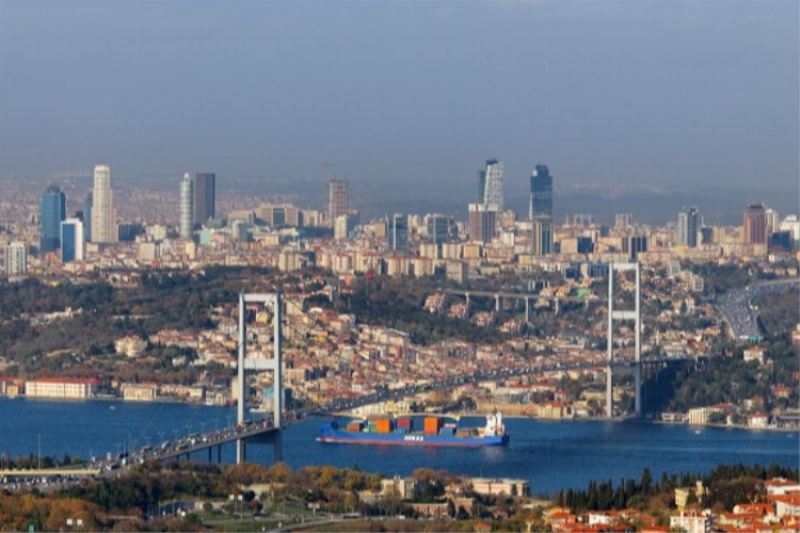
{"points": [[552, 455]]}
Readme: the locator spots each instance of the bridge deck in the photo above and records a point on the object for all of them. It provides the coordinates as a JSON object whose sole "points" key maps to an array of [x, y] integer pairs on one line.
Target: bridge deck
{"points": [[228, 436], [49, 472]]}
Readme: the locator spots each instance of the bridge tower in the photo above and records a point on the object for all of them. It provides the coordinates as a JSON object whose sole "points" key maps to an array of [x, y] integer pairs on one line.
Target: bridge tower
{"points": [[620, 315], [259, 363]]}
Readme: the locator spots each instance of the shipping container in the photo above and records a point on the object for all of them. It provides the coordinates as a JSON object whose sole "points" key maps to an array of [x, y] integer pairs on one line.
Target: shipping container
{"points": [[447, 431], [384, 425], [406, 423], [432, 425]]}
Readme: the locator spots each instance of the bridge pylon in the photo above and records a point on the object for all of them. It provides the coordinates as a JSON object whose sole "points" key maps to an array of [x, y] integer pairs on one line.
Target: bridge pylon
{"points": [[619, 315], [259, 363]]}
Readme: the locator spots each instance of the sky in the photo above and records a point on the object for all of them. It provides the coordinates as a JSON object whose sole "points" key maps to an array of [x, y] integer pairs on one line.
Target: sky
{"points": [[610, 94]]}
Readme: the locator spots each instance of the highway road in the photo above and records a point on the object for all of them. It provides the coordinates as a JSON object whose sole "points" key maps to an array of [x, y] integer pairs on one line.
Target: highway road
{"points": [[736, 306]]}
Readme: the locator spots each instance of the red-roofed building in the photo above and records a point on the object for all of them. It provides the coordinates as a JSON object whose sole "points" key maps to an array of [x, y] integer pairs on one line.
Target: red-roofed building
{"points": [[786, 504], [780, 485]]}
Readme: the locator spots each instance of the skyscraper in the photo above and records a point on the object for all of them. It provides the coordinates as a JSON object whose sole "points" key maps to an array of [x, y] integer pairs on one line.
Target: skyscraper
{"points": [[205, 197], [636, 245], [398, 232], [185, 208], [87, 218], [16, 259], [344, 225], [754, 220], [773, 219], [482, 223], [72, 239], [490, 183], [541, 202], [688, 226], [52, 210], [437, 228], [104, 224], [542, 235], [337, 198], [623, 220]]}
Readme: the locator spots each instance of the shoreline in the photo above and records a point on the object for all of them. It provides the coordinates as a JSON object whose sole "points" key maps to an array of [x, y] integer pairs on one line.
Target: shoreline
{"points": [[105, 398], [618, 419]]}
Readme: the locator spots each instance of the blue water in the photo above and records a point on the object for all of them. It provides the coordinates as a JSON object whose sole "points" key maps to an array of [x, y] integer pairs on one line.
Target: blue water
{"points": [[552, 455]]}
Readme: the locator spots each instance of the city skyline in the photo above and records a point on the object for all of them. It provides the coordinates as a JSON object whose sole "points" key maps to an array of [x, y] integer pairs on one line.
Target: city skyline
{"points": [[464, 265], [559, 121]]}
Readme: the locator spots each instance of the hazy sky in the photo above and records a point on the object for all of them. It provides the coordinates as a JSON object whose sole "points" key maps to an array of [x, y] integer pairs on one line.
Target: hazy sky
{"points": [[669, 93]]}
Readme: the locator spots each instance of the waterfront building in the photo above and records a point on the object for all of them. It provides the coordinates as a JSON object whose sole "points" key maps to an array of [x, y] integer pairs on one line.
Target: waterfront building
{"points": [[482, 223], [139, 392], [397, 229], [104, 227], [688, 225], [16, 259], [185, 208], [337, 198], [754, 222], [490, 185], [72, 240], [52, 210], [541, 201], [205, 198], [64, 388]]}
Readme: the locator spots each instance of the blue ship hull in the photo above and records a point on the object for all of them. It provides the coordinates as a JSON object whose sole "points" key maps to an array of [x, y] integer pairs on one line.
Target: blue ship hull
{"points": [[330, 434]]}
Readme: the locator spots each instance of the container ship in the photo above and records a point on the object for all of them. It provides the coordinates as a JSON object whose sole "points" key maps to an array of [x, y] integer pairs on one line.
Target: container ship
{"points": [[401, 432]]}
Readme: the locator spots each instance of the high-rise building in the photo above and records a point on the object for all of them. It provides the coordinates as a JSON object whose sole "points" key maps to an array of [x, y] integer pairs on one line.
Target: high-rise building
{"points": [[754, 220], [72, 239], [397, 232], [129, 231], [773, 220], [541, 202], [185, 208], [52, 210], [16, 259], [482, 223], [623, 220], [490, 185], [205, 198], [579, 219], [541, 235], [87, 218], [344, 225], [104, 224], [688, 226], [437, 228], [636, 245], [337, 198]]}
